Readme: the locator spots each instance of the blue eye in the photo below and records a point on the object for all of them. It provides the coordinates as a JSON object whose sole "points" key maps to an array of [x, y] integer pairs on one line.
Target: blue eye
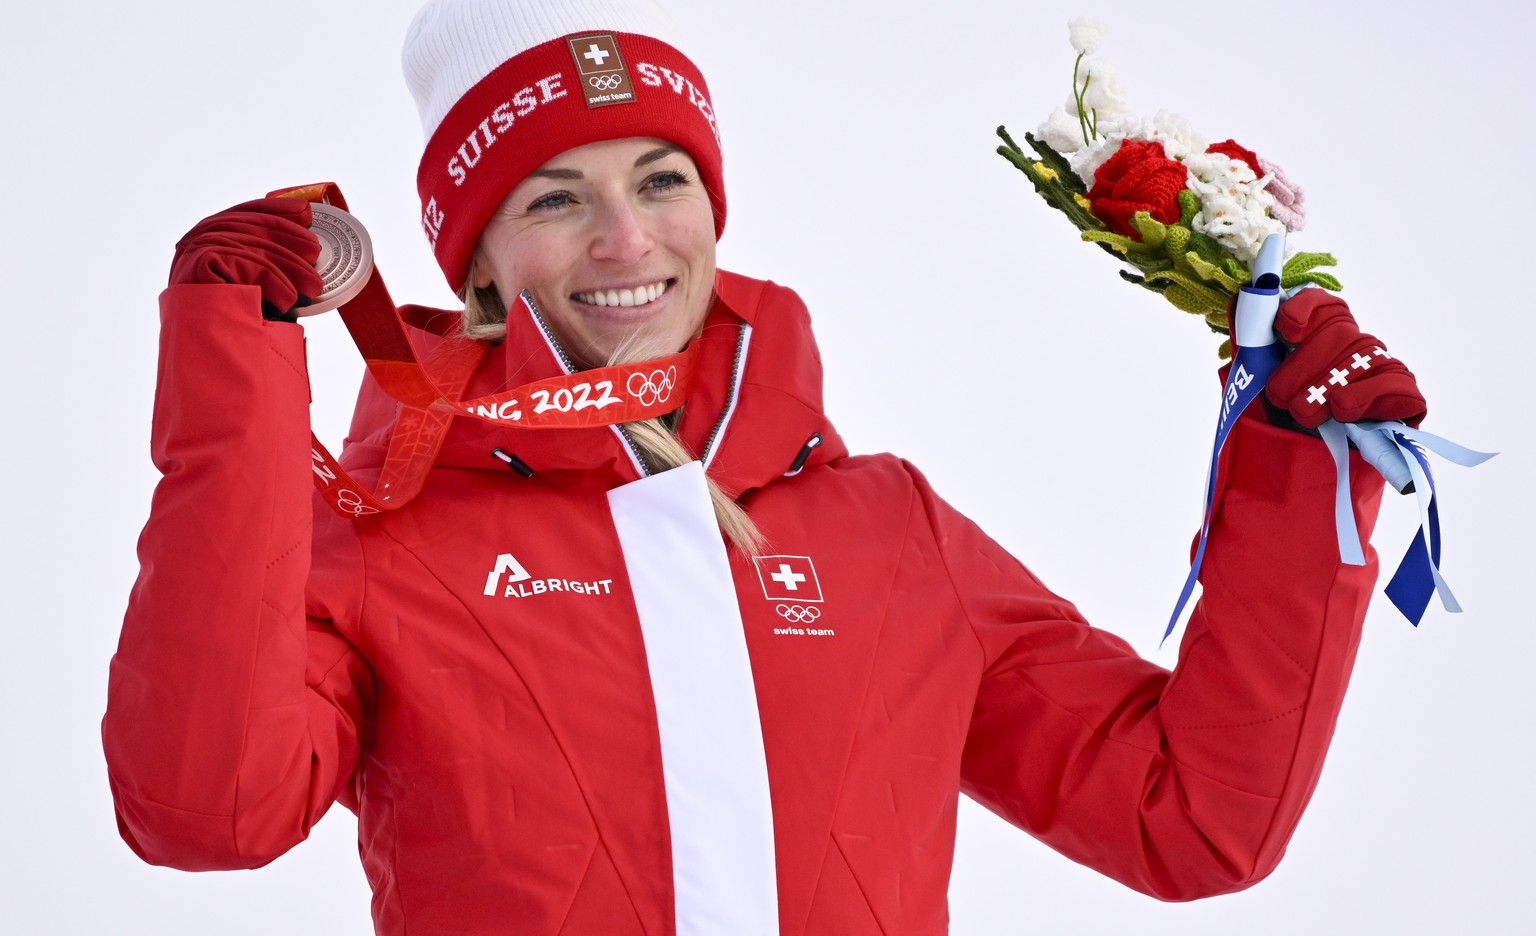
{"points": [[662, 181], [552, 200]]}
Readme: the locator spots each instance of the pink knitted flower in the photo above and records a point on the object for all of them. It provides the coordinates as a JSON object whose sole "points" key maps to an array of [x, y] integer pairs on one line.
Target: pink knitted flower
{"points": [[1290, 207]]}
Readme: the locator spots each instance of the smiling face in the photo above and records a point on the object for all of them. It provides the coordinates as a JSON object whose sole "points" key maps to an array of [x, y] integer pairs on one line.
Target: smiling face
{"points": [[616, 241]]}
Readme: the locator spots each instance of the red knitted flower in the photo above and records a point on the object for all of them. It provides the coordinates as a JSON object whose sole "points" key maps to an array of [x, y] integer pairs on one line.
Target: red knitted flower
{"points": [[1233, 150], [1139, 177]]}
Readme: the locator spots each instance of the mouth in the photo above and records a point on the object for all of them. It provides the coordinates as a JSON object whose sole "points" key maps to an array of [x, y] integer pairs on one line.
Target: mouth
{"points": [[625, 298]]}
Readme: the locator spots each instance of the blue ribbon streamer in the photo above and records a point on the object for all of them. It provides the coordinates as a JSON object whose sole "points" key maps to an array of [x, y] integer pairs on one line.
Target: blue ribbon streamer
{"points": [[1250, 371], [1399, 453]]}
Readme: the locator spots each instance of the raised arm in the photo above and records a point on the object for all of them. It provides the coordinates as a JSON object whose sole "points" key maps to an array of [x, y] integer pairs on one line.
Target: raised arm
{"points": [[1183, 784], [233, 718]]}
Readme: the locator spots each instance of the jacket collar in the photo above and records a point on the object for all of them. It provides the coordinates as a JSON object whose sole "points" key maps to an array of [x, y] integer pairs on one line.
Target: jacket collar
{"points": [[756, 402]]}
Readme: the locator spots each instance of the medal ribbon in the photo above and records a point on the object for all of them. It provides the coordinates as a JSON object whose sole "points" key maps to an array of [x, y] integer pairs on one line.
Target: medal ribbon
{"points": [[430, 392]]}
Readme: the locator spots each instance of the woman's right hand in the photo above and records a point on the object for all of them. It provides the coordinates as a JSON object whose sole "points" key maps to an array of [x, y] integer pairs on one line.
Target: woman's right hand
{"points": [[264, 243]]}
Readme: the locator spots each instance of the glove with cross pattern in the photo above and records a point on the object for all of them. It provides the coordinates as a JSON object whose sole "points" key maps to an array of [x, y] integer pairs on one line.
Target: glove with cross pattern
{"points": [[1335, 371]]}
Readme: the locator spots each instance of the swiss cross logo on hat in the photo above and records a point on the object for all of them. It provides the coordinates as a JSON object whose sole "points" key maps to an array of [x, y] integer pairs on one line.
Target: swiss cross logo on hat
{"points": [[604, 78], [788, 578]]}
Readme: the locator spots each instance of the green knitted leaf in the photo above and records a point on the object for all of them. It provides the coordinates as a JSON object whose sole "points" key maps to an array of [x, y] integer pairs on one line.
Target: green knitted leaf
{"points": [[1189, 206], [1212, 273], [1325, 280], [1119, 242], [1177, 241], [1142, 282], [1185, 299], [1303, 261], [1237, 270], [1190, 294], [1208, 247], [1224, 352], [1056, 194], [1052, 177], [1055, 160], [1150, 263], [1152, 231]]}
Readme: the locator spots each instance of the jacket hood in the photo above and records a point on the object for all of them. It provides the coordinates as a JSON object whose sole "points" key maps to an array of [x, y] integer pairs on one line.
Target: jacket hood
{"points": [[756, 403]]}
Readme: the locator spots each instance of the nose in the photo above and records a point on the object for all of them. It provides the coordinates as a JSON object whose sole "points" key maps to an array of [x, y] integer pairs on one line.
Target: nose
{"points": [[621, 234]]}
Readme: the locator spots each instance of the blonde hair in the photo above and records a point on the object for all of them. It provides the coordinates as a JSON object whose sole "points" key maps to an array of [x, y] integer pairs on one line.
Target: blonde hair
{"points": [[659, 448]]}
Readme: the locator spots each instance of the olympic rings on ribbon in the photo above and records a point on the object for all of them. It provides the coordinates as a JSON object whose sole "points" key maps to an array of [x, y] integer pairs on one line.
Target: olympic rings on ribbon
{"points": [[798, 614], [605, 82], [352, 502], [655, 387]]}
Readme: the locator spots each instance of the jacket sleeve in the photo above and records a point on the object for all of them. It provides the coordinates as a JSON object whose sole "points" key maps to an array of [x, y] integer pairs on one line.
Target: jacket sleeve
{"points": [[1184, 784], [233, 717]]}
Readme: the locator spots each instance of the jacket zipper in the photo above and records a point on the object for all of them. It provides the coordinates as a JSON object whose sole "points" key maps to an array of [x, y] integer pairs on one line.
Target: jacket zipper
{"points": [[730, 396], [565, 362]]}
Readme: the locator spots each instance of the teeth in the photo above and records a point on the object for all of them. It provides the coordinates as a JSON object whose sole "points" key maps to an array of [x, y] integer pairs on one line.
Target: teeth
{"points": [[626, 298]]}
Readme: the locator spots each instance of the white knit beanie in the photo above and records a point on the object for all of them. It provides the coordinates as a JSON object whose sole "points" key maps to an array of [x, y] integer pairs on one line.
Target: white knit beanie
{"points": [[452, 44], [485, 71]]}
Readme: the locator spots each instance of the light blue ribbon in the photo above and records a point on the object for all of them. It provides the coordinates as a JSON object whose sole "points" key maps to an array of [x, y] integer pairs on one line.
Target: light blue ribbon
{"points": [[1399, 454]]}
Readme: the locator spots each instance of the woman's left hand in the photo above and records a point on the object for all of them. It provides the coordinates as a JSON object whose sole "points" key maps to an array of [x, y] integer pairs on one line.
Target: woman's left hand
{"points": [[1335, 371]]}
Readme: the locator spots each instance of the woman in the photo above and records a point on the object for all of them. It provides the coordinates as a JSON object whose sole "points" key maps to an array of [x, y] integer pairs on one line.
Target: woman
{"points": [[558, 698]]}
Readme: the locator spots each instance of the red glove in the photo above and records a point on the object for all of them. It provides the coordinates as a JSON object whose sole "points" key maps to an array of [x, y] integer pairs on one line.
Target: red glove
{"points": [[1335, 370], [265, 243]]}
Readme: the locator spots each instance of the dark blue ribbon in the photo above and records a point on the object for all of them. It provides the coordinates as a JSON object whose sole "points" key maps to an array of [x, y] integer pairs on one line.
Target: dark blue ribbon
{"points": [[1418, 575], [1250, 371], [1401, 455]]}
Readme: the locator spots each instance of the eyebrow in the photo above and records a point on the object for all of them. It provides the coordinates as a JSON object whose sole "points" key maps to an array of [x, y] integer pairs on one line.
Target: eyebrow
{"points": [[655, 154]]}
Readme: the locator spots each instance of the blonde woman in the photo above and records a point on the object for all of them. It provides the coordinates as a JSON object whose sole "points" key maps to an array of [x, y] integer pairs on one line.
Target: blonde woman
{"points": [[701, 672]]}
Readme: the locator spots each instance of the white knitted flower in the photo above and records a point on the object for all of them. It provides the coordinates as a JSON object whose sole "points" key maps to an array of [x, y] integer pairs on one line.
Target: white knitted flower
{"points": [[1086, 33], [1061, 131], [1086, 161], [1103, 95], [1174, 132], [1234, 208], [1179, 139]]}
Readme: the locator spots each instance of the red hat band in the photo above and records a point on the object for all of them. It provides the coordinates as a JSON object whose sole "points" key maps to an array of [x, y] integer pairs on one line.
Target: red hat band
{"points": [[565, 93]]}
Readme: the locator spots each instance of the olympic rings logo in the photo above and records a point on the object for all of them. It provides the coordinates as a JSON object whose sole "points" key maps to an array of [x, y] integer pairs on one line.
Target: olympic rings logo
{"points": [[655, 387], [605, 82], [352, 503], [798, 614]]}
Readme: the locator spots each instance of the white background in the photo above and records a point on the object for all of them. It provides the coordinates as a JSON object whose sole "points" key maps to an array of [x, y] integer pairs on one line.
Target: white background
{"points": [[963, 326]]}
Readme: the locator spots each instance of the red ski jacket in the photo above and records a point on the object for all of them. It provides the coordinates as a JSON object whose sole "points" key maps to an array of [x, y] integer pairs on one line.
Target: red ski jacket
{"points": [[559, 704]]}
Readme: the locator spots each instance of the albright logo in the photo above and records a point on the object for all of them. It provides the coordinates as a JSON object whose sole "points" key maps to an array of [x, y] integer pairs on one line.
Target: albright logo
{"points": [[508, 579]]}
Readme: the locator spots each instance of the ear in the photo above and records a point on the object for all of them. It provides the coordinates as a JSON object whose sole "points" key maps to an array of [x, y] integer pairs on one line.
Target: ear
{"points": [[479, 273]]}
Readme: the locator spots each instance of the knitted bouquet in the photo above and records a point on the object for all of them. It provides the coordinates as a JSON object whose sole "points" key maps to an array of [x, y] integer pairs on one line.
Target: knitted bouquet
{"points": [[1187, 216]]}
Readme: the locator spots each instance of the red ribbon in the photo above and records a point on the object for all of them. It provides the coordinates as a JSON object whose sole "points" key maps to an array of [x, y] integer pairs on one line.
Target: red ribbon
{"points": [[430, 393]]}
